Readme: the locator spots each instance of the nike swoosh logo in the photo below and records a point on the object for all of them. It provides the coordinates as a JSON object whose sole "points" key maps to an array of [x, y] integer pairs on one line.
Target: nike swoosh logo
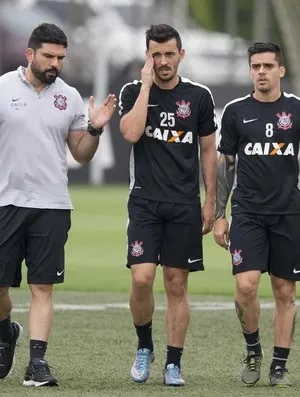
{"points": [[152, 106], [296, 271], [15, 99], [60, 273], [194, 260], [248, 121]]}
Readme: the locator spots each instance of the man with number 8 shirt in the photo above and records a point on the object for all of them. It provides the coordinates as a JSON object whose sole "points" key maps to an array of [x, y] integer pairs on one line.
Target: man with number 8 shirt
{"points": [[167, 118], [263, 131]]}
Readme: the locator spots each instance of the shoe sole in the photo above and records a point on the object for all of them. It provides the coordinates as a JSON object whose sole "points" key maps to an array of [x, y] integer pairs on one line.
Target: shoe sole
{"points": [[14, 358], [39, 384], [173, 385], [250, 384]]}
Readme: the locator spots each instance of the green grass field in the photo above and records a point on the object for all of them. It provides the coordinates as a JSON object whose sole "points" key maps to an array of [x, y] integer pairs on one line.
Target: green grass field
{"points": [[92, 352], [96, 249]]}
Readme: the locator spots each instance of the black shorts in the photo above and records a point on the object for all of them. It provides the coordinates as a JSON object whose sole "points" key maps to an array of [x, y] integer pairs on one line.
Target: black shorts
{"points": [[164, 233], [39, 237], [267, 243]]}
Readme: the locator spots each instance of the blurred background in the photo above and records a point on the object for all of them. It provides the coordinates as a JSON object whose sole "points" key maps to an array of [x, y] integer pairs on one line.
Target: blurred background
{"points": [[107, 43], [106, 50]]}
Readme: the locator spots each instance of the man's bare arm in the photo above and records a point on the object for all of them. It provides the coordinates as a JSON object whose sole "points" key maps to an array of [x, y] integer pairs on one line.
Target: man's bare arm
{"points": [[208, 158], [133, 123], [225, 178]]}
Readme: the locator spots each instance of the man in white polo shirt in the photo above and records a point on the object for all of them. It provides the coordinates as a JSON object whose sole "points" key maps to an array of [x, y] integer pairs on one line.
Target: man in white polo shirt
{"points": [[39, 114]]}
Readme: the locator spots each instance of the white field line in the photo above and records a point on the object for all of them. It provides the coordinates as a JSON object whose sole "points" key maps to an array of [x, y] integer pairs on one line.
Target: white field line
{"points": [[195, 306]]}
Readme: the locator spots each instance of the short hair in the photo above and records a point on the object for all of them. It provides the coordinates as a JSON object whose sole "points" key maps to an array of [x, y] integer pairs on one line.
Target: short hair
{"points": [[47, 33], [161, 34], [259, 48]]}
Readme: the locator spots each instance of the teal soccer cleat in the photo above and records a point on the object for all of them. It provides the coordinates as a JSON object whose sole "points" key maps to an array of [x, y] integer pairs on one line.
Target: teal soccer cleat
{"points": [[141, 367], [172, 376]]}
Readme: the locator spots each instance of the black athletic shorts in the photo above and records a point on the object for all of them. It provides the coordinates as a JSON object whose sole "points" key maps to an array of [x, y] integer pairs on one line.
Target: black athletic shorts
{"points": [[269, 243], [164, 233], [39, 237]]}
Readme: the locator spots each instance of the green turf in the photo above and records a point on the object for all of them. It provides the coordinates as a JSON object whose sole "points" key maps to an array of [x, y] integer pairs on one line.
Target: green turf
{"points": [[92, 353], [96, 250]]}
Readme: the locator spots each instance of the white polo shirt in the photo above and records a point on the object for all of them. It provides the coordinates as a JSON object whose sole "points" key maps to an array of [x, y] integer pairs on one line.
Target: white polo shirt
{"points": [[34, 128]]}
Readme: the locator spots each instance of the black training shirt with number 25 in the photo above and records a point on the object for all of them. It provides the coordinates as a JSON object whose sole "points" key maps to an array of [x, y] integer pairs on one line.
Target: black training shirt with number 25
{"points": [[164, 163], [265, 137]]}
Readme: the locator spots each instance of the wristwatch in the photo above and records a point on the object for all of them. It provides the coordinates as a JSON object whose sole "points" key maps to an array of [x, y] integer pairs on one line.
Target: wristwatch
{"points": [[94, 131]]}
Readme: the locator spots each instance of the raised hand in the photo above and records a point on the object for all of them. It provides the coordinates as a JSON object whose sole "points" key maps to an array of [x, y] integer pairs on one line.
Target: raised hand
{"points": [[100, 115], [147, 72]]}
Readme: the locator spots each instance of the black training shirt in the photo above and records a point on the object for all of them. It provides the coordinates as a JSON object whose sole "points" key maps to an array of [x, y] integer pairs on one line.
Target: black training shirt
{"points": [[265, 137], [164, 163]]}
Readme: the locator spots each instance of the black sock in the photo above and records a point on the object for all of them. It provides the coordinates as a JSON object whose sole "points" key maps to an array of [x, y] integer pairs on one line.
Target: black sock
{"points": [[280, 356], [6, 330], [144, 333], [253, 341], [174, 355], [37, 349]]}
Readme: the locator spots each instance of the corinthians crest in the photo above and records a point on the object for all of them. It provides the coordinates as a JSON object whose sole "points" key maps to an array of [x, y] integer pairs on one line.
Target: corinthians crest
{"points": [[284, 122], [60, 102], [237, 258], [137, 249], [184, 109]]}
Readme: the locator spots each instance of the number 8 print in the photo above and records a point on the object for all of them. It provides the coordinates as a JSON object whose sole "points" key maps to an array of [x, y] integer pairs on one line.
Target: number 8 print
{"points": [[269, 130]]}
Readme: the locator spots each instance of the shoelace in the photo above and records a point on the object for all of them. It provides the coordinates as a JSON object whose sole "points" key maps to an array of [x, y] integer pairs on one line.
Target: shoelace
{"points": [[42, 368], [252, 361], [279, 372], [141, 360], [174, 372]]}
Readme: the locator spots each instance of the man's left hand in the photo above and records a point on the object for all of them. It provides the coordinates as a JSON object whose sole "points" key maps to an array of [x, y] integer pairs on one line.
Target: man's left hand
{"points": [[100, 115]]}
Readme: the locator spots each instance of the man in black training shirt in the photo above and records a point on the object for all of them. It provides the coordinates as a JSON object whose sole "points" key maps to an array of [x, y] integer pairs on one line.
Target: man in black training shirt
{"points": [[166, 118], [263, 131]]}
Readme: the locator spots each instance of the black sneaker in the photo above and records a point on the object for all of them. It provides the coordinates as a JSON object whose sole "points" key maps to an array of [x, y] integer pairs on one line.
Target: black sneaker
{"points": [[7, 352], [38, 374]]}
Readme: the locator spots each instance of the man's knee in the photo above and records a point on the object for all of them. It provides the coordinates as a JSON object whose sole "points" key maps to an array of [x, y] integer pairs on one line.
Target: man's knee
{"points": [[4, 293], [284, 291], [142, 277], [246, 286], [175, 281], [41, 290]]}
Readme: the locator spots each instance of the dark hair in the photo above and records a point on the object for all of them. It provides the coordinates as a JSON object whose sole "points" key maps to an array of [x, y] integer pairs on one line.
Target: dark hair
{"points": [[259, 48], [162, 33], [47, 33]]}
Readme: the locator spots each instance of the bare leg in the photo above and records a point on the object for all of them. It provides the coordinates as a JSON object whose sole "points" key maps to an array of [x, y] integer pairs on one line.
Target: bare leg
{"points": [[141, 298], [246, 300], [142, 308], [41, 312], [285, 311], [5, 303], [248, 311], [178, 311]]}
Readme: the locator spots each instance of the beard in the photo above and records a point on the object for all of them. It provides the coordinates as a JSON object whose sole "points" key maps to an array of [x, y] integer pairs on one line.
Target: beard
{"points": [[168, 77], [43, 75]]}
